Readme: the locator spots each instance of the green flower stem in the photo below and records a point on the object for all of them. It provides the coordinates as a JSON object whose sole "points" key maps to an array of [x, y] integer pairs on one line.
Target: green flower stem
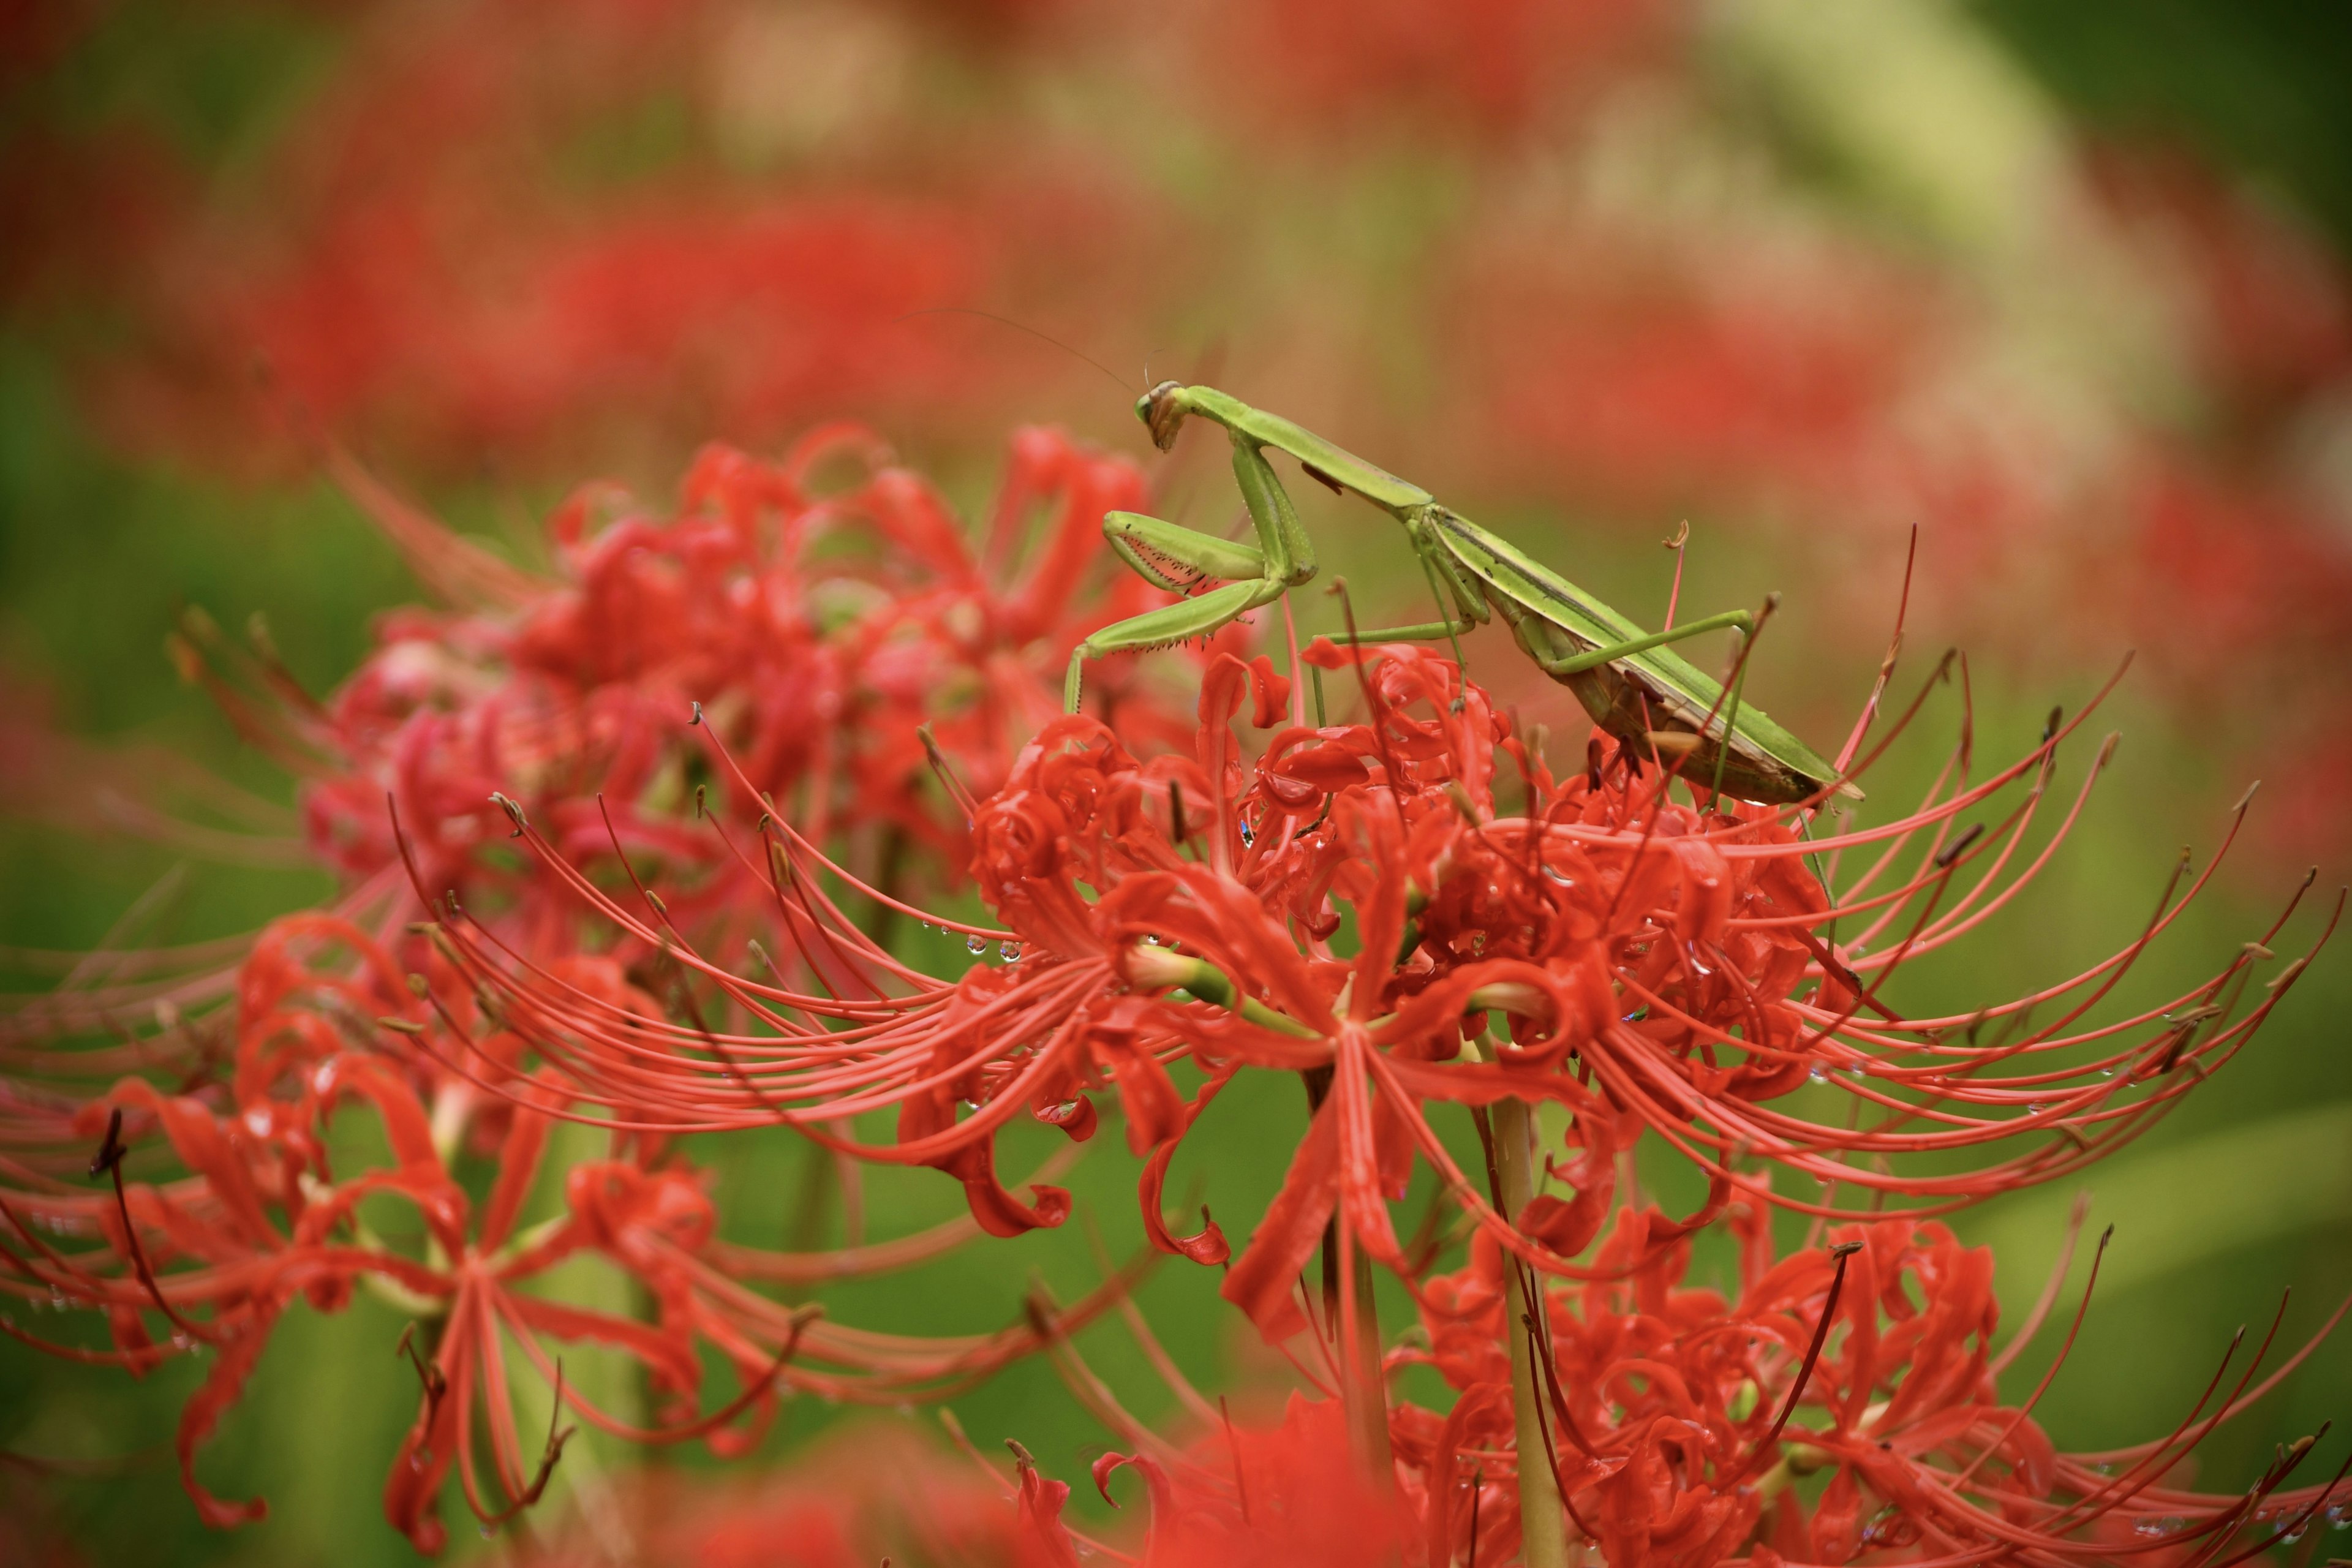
{"points": [[1543, 1524]]}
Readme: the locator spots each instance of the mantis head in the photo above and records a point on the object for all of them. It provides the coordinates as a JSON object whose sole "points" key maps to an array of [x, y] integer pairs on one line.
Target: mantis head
{"points": [[1162, 409]]}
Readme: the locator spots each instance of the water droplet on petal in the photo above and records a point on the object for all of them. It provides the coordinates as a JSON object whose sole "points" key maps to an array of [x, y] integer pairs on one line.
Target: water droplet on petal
{"points": [[1817, 1076], [975, 944], [1009, 950]]}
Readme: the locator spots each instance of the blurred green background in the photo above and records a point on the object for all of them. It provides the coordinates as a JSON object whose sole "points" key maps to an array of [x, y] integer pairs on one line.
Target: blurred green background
{"points": [[2064, 287]]}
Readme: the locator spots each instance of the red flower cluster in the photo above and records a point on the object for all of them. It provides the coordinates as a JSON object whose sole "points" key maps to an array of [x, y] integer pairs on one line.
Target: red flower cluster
{"points": [[1670, 1411], [238, 1214], [1661, 966], [822, 629], [1404, 905]]}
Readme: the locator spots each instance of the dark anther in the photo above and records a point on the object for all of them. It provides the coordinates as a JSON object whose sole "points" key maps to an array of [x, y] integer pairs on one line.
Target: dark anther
{"points": [[1592, 763], [2050, 725], [1960, 846], [1845, 1249], [698, 716], [1176, 827], [111, 1150], [701, 794], [513, 811], [945, 772]]}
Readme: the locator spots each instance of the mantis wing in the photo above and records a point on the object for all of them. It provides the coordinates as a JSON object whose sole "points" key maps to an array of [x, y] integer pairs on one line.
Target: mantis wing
{"points": [[1686, 693]]}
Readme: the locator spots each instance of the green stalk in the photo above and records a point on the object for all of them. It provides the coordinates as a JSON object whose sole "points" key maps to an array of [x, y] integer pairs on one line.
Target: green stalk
{"points": [[1543, 1524], [1363, 1389]]}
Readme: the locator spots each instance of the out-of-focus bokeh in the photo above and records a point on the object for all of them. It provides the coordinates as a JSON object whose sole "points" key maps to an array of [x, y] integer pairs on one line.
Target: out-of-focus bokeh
{"points": [[2062, 290]]}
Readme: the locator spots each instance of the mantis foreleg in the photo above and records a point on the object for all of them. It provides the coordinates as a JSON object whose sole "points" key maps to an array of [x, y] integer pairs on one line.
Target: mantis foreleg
{"points": [[1178, 558]]}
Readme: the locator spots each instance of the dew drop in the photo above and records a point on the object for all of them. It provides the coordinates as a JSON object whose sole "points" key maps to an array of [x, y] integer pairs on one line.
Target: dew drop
{"points": [[181, 1341], [56, 1299], [1817, 1076], [1009, 950], [1248, 836], [975, 944], [2292, 1536], [2339, 1518], [2033, 1108], [488, 1533], [2106, 1072]]}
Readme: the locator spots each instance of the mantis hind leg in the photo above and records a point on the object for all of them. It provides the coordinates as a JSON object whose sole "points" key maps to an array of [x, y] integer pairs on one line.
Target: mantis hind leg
{"points": [[1588, 659]]}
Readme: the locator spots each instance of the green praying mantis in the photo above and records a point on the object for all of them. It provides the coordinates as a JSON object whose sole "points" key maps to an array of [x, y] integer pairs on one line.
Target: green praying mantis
{"points": [[1632, 683]]}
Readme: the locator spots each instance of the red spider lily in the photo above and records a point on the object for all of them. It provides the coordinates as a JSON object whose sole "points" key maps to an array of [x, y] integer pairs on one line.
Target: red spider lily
{"points": [[871, 661], [1678, 969], [819, 630], [256, 1218], [1670, 1411]]}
